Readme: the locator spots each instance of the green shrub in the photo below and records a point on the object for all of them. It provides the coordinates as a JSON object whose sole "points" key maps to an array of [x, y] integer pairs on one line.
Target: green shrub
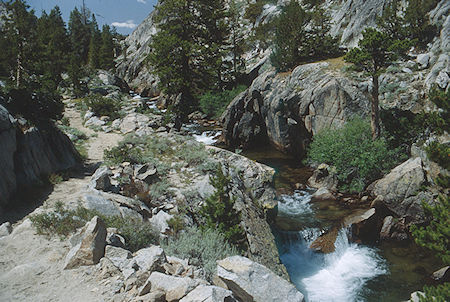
{"points": [[63, 222], [176, 223], [103, 106], [439, 153], [439, 293], [218, 210], [358, 159], [77, 136], [202, 248], [214, 103]]}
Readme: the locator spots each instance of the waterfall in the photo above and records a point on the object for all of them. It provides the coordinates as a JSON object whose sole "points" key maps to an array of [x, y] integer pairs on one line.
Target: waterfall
{"points": [[339, 276]]}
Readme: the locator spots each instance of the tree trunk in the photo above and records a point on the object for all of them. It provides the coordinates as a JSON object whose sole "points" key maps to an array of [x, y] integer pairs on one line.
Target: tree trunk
{"points": [[375, 112], [19, 70]]}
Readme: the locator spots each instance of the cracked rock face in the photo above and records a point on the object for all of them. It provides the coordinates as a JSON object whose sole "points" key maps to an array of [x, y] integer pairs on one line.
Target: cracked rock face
{"points": [[289, 110]]}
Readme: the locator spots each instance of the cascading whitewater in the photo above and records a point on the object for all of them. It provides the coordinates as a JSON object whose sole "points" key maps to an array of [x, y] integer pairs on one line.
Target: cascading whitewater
{"points": [[338, 276]]}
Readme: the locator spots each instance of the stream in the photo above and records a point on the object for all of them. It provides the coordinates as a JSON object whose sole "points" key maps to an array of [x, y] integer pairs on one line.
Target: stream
{"points": [[353, 272]]}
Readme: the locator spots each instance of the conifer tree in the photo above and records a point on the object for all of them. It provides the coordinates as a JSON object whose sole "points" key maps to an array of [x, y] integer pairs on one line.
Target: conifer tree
{"points": [[174, 51], [374, 53], [80, 34], [53, 47], [19, 34], [94, 44], [107, 48]]}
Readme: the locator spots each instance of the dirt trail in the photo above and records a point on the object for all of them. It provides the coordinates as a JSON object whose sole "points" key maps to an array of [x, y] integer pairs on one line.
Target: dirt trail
{"points": [[31, 265]]}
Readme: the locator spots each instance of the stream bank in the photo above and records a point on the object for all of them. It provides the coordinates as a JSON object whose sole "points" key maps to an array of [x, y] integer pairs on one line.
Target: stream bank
{"points": [[386, 271]]}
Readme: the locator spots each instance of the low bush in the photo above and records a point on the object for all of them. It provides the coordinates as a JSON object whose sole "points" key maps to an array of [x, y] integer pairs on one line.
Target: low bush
{"points": [[214, 103], [358, 159], [103, 106], [218, 210], [63, 222], [439, 153], [202, 248]]}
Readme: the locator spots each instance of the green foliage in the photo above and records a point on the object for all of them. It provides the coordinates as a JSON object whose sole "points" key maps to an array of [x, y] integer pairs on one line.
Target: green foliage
{"points": [[358, 159], [294, 43], [36, 107], [202, 248], [436, 235], [411, 22], [439, 293], [218, 210], [103, 106], [106, 56], [439, 153], [214, 103], [254, 10], [176, 223], [63, 222]]}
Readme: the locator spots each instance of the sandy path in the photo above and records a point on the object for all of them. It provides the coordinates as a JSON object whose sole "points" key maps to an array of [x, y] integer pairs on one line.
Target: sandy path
{"points": [[31, 265]]}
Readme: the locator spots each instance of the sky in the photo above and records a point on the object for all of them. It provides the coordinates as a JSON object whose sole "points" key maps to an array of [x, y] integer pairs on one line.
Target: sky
{"points": [[125, 15]]}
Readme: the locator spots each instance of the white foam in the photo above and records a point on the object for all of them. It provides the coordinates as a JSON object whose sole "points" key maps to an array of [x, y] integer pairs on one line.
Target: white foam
{"points": [[295, 204], [207, 137], [335, 277]]}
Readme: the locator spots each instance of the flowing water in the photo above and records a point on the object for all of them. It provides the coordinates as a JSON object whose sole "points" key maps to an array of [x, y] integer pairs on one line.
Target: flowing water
{"points": [[353, 272]]}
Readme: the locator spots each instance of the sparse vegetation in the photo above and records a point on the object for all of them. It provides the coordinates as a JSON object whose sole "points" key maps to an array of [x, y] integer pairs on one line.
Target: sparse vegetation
{"points": [[214, 103], [202, 248], [63, 222], [103, 106], [358, 159]]}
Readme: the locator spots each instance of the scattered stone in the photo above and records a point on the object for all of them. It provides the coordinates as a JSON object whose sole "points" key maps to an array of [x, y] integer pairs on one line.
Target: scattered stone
{"points": [[251, 281], [174, 287], [442, 275], [5, 229], [94, 121], [91, 248], [150, 259], [101, 179], [119, 257], [156, 296], [160, 222], [325, 243], [323, 194], [385, 232], [146, 173], [116, 240], [323, 177], [205, 293], [107, 269], [443, 79], [423, 60]]}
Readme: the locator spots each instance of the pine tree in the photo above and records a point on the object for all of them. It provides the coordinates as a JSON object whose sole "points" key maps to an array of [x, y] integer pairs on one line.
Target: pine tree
{"points": [[53, 48], [19, 34], [218, 210], [238, 43], [374, 53], [290, 37], [106, 49], [94, 45], [80, 34], [174, 51]]}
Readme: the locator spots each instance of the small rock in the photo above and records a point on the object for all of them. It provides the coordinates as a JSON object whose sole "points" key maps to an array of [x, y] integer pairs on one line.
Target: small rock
{"points": [[107, 269], [156, 296], [385, 232], [443, 79], [323, 194], [119, 257], [146, 173], [442, 275], [101, 179], [94, 121], [174, 287], [116, 240], [151, 258], [91, 248], [160, 222], [323, 177], [406, 70], [364, 199], [5, 229], [250, 281], [423, 60], [205, 293]]}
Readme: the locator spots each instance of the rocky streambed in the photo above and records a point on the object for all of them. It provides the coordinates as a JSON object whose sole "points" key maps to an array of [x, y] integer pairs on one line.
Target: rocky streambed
{"points": [[351, 271]]}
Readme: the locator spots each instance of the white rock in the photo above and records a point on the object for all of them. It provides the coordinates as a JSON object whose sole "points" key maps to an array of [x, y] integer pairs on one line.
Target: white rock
{"points": [[251, 281], [151, 258], [159, 221], [174, 287], [5, 229], [119, 257], [91, 248], [205, 293], [423, 60]]}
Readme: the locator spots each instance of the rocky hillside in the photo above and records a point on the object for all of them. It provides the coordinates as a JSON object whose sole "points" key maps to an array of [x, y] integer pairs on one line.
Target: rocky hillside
{"points": [[348, 18]]}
